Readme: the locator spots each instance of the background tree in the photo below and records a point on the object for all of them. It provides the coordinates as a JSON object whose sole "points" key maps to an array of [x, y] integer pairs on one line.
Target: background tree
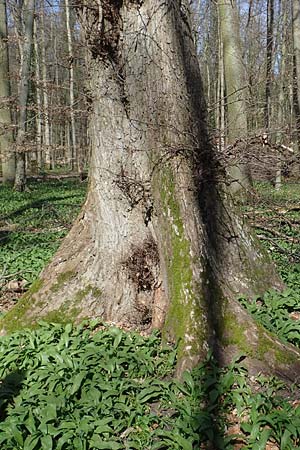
{"points": [[27, 16], [296, 46], [236, 87], [6, 130], [269, 63]]}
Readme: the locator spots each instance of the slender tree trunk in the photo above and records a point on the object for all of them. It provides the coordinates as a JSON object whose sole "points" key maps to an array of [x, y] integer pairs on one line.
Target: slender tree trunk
{"points": [[296, 45], [74, 161], [28, 7], [221, 106], [157, 244], [6, 134], [282, 116], [269, 66], [236, 89], [46, 121], [38, 100]]}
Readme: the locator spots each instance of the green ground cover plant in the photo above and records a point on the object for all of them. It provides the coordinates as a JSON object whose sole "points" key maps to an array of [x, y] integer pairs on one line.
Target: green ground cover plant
{"points": [[77, 388], [33, 223], [275, 216]]}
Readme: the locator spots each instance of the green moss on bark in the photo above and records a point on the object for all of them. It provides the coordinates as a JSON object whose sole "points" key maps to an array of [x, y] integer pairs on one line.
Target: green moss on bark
{"points": [[184, 321], [62, 279], [62, 315], [18, 316], [83, 293], [21, 315], [234, 334]]}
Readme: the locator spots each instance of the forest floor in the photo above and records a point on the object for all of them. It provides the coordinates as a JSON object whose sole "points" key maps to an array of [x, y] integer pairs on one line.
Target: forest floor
{"points": [[97, 387], [32, 226]]}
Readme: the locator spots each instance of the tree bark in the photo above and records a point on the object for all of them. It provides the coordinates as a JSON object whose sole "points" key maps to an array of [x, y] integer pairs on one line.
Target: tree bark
{"points": [[73, 155], [157, 244], [46, 120], [282, 117], [236, 89], [6, 134], [296, 46], [38, 136], [269, 65], [27, 35]]}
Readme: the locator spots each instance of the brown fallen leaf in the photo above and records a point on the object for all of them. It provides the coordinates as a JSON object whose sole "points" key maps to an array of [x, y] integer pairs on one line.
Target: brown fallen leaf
{"points": [[295, 315], [15, 285]]}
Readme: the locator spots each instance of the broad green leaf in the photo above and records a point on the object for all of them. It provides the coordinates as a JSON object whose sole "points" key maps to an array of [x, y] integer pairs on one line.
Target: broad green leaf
{"points": [[46, 442]]}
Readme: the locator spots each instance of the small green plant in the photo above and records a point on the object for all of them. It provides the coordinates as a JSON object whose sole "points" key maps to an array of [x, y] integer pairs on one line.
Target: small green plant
{"points": [[278, 312]]}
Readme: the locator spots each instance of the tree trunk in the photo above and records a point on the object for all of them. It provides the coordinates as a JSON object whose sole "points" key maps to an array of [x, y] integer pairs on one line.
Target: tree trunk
{"points": [[221, 94], [296, 45], [269, 58], [38, 136], [6, 133], [282, 118], [46, 121], [27, 30], [74, 161], [157, 244], [236, 89], [296, 42]]}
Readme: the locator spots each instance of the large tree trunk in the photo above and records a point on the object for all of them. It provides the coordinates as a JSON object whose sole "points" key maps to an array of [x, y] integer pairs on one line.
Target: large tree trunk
{"points": [[157, 244], [6, 134]]}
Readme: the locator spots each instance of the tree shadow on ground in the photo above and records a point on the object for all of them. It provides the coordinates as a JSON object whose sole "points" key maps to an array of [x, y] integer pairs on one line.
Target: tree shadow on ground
{"points": [[10, 387], [38, 204], [4, 236]]}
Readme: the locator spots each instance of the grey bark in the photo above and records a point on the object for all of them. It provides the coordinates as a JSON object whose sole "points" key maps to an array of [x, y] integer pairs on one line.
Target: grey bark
{"points": [[269, 59], [73, 155], [282, 97], [39, 156], [46, 120], [296, 42], [296, 45], [6, 133], [28, 7], [157, 244], [236, 88]]}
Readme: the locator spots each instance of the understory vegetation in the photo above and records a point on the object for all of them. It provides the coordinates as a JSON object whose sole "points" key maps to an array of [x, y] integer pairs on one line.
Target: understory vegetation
{"points": [[73, 388], [92, 386], [275, 215], [32, 225]]}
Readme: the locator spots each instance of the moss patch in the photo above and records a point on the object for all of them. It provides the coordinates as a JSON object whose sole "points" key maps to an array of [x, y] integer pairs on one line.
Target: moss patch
{"points": [[62, 315], [234, 334], [184, 321], [89, 289], [70, 310], [17, 317], [62, 279]]}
